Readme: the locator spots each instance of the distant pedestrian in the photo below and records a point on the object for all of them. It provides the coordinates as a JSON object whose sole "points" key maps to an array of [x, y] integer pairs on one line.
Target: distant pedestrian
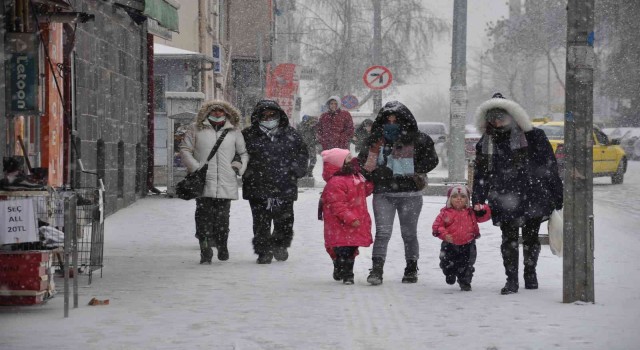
{"points": [[278, 158], [457, 227], [361, 134], [347, 224], [397, 157], [307, 129], [335, 127], [214, 119], [517, 173]]}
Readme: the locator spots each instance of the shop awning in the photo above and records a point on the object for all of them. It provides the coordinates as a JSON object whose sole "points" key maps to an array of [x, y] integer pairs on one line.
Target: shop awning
{"points": [[63, 4], [163, 11]]}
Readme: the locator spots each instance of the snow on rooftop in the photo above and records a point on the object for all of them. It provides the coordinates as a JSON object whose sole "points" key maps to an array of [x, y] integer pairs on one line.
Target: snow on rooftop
{"points": [[159, 49]]}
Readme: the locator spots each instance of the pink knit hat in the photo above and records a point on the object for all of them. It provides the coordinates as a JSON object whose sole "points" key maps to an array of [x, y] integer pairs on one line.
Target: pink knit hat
{"points": [[335, 156], [458, 189]]}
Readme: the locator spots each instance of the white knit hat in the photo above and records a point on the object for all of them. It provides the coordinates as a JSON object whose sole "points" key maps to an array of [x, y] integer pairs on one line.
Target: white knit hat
{"points": [[458, 189]]}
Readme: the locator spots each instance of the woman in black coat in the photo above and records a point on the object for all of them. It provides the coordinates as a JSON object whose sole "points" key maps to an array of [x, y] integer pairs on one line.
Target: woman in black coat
{"points": [[277, 159], [517, 173]]}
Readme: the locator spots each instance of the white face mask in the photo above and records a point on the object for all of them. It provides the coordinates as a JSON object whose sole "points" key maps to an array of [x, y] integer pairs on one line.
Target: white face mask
{"points": [[217, 119], [270, 124]]}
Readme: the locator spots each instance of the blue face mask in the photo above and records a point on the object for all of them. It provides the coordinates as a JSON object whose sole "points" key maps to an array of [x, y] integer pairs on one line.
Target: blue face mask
{"points": [[217, 119], [270, 124], [391, 132]]}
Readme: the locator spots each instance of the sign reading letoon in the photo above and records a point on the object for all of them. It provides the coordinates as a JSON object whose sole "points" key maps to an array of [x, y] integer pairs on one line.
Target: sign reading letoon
{"points": [[377, 77], [23, 73]]}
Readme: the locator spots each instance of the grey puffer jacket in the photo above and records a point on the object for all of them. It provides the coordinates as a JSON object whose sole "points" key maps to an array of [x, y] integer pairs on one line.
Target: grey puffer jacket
{"points": [[200, 139]]}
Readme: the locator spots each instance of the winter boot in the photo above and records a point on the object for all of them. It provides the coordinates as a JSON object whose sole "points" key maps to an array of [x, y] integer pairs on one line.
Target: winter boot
{"points": [[206, 253], [510, 257], [347, 273], [280, 253], [531, 253], [450, 279], [375, 276], [223, 252], [265, 258], [410, 272], [337, 270], [464, 286]]}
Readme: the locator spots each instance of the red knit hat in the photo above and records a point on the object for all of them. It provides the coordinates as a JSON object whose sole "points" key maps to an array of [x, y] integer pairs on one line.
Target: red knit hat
{"points": [[335, 156], [458, 189]]}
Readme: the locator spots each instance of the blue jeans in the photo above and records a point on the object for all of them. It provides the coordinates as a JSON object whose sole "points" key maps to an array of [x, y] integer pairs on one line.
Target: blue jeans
{"points": [[384, 211]]}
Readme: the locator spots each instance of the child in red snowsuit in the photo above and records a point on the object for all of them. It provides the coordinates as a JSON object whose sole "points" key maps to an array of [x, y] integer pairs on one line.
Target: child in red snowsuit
{"points": [[457, 226], [347, 224]]}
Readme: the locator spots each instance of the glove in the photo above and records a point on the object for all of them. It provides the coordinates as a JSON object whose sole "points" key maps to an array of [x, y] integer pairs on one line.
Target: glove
{"points": [[420, 180], [476, 235], [480, 213], [236, 166], [435, 233], [559, 205]]}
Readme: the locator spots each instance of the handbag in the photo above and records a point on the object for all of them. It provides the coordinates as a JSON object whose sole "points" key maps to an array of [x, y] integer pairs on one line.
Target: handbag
{"points": [[192, 185], [556, 228]]}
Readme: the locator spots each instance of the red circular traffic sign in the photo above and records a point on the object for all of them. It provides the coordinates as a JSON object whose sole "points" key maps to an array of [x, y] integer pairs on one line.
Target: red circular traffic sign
{"points": [[349, 102], [377, 77]]}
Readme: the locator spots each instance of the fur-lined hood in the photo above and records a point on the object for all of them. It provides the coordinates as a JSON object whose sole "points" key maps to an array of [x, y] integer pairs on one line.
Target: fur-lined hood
{"points": [[336, 98], [516, 111], [232, 112]]}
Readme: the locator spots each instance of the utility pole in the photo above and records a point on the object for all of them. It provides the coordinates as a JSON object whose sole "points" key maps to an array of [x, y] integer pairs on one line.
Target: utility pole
{"points": [[377, 50], [578, 283], [458, 92]]}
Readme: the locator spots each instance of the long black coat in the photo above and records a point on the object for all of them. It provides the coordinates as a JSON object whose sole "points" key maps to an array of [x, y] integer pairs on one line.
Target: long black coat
{"points": [[519, 184], [425, 157], [274, 166]]}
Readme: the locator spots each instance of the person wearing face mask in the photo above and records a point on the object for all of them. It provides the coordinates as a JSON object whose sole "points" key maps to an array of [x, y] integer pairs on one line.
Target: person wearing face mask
{"points": [[517, 174], [277, 159], [335, 126], [396, 157], [215, 119]]}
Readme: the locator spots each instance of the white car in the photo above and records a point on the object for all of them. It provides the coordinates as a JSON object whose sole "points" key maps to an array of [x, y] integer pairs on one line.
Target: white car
{"points": [[440, 136]]}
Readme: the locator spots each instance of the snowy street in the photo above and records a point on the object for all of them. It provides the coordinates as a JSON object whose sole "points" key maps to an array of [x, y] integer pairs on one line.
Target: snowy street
{"points": [[161, 298]]}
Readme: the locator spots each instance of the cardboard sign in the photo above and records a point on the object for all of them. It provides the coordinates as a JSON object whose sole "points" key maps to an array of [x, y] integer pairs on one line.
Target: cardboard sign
{"points": [[18, 222]]}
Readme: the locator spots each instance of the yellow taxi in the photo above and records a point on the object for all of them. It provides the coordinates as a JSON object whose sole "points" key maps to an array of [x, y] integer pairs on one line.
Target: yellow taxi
{"points": [[609, 158]]}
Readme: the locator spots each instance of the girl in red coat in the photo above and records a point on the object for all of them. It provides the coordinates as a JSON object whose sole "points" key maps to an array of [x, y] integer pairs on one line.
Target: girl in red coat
{"points": [[457, 226], [347, 224]]}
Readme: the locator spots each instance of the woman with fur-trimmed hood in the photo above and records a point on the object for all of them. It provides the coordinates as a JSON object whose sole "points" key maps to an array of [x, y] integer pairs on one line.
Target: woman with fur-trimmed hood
{"points": [[517, 173], [215, 119]]}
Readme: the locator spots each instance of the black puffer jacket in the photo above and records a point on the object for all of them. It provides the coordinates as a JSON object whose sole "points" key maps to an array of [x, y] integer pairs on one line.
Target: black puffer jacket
{"points": [[521, 183], [425, 157], [274, 165]]}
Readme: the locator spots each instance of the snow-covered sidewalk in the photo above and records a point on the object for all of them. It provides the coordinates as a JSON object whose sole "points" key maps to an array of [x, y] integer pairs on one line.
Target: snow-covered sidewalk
{"points": [[161, 298]]}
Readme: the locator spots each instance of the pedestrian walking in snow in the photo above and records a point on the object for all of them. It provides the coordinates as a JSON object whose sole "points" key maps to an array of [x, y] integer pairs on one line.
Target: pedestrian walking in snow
{"points": [[307, 129], [347, 224], [361, 134], [517, 173], [457, 227], [396, 158], [277, 159], [215, 120], [335, 126]]}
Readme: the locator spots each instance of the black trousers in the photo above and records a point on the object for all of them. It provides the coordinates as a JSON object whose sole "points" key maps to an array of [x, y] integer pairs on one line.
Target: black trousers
{"points": [[530, 246], [212, 220], [266, 212], [313, 154], [458, 260], [346, 252]]}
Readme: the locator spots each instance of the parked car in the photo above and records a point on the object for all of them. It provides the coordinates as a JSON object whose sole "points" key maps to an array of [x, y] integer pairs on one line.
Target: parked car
{"points": [[471, 138], [440, 136], [609, 159], [629, 140]]}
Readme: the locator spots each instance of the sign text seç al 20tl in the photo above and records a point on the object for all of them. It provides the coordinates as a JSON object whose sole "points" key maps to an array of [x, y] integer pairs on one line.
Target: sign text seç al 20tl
{"points": [[22, 53]]}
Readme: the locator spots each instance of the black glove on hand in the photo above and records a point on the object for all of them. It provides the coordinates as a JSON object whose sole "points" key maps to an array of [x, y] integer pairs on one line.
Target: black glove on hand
{"points": [[480, 213], [559, 204]]}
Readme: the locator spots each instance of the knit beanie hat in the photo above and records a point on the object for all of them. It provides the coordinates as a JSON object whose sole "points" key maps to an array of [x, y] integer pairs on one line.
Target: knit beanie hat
{"points": [[335, 156], [458, 189]]}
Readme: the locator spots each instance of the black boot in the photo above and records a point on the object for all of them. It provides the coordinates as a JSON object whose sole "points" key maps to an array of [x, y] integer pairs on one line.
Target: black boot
{"points": [[223, 252], [510, 257], [410, 272], [280, 253], [375, 276], [347, 272], [206, 253], [337, 270], [264, 258], [531, 253]]}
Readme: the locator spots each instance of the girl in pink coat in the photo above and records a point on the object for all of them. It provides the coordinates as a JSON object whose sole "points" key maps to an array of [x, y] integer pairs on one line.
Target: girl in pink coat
{"points": [[347, 224], [457, 226]]}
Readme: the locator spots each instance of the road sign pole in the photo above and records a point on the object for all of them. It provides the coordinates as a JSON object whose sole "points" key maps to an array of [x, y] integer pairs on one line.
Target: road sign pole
{"points": [[377, 49], [578, 276], [458, 93]]}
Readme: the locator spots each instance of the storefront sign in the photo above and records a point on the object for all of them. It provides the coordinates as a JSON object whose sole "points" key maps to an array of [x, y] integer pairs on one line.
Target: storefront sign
{"points": [[17, 221], [22, 49]]}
